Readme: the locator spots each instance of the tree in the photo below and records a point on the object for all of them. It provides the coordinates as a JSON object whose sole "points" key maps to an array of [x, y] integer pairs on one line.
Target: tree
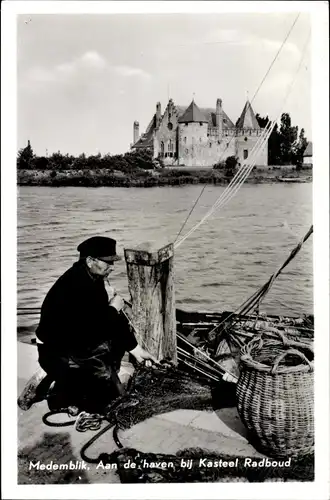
{"points": [[300, 148], [283, 147], [25, 157], [288, 138], [262, 121], [231, 163]]}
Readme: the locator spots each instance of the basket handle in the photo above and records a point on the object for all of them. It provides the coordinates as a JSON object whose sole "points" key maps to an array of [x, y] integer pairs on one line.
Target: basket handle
{"points": [[284, 354]]}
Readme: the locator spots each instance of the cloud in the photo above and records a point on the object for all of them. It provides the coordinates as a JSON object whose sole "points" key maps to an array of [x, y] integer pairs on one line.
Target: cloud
{"points": [[250, 40], [90, 61], [88, 64], [128, 71]]}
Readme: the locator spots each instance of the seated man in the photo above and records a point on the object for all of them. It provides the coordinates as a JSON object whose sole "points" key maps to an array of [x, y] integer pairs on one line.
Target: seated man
{"points": [[82, 337]]}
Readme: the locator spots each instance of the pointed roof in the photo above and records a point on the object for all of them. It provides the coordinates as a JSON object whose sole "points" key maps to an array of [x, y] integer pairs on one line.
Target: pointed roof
{"points": [[146, 139], [248, 118], [210, 115], [309, 149], [193, 114]]}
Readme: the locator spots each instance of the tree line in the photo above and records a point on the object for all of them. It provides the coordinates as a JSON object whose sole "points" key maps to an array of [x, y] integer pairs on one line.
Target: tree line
{"points": [[285, 147], [127, 163]]}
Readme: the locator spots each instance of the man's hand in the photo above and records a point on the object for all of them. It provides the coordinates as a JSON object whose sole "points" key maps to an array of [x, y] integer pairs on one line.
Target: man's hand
{"points": [[117, 302], [142, 355]]}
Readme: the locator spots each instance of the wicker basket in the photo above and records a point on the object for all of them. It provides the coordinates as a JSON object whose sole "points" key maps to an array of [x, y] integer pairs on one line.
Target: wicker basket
{"points": [[275, 395]]}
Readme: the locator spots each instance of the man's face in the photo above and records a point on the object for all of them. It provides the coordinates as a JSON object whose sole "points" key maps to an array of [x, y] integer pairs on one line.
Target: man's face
{"points": [[99, 267]]}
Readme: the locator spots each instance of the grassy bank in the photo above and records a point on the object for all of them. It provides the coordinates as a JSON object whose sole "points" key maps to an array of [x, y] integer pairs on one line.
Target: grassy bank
{"points": [[150, 178]]}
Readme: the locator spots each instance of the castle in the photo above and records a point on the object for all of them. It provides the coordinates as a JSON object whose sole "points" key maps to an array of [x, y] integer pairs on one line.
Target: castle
{"points": [[193, 136]]}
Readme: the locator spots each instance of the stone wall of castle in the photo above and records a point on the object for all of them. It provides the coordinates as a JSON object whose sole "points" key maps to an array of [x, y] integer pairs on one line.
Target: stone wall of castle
{"points": [[246, 141], [166, 136], [198, 146]]}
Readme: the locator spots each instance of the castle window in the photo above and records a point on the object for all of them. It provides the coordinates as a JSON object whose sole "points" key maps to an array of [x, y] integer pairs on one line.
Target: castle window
{"points": [[170, 145], [185, 140], [245, 139], [210, 144], [165, 155], [201, 124], [219, 142], [200, 139], [245, 154], [170, 126], [224, 120], [162, 148]]}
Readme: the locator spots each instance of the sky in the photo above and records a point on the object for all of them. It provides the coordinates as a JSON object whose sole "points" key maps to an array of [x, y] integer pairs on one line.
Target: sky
{"points": [[82, 80]]}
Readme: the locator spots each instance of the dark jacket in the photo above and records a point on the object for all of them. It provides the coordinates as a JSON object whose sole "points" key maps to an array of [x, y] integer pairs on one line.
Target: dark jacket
{"points": [[76, 317]]}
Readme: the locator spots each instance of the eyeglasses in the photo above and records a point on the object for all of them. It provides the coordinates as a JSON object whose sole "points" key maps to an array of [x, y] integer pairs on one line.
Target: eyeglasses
{"points": [[109, 263]]}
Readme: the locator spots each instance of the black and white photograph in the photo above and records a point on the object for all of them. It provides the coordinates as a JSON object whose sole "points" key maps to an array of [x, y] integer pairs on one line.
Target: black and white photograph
{"points": [[167, 174]]}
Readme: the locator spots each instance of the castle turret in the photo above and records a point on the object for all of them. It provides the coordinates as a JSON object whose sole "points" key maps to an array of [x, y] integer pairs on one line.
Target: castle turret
{"points": [[218, 117], [136, 132], [248, 120], [158, 114], [193, 138]]}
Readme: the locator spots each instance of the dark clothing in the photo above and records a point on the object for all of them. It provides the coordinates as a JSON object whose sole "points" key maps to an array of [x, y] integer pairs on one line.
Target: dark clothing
{"points": [[84, 339]]}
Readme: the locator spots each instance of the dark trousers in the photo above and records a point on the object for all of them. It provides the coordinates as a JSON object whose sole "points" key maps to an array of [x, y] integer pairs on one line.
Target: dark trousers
{"points": [[87, 380]]}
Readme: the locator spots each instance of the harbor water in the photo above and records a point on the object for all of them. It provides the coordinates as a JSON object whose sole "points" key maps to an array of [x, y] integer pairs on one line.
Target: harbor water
{"points": [[217, 268]]}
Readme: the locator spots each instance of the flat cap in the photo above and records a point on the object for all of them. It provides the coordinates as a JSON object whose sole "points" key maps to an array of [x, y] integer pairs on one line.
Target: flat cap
{"points": [[99, 247]]}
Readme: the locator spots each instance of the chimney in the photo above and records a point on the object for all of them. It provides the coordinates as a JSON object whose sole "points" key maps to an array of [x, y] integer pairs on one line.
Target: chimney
{"points": [[218, 117], [135, 132], [158, 114]]}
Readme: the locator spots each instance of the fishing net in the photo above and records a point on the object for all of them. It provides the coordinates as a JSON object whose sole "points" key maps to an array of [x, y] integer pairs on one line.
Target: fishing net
{"points": [[161, 389]]}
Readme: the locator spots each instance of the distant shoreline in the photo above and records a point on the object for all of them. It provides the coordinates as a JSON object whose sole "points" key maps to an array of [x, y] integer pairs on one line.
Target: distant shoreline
{"points": [[154, 178]]}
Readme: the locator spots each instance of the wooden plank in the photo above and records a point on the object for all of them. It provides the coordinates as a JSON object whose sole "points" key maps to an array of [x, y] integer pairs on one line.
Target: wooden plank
{"points": [[151, 286]]}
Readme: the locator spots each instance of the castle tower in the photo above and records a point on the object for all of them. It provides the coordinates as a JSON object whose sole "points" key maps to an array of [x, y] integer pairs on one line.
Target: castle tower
{"points": [[218, 117], [136, 133], [248, 132], [193, 138], [158, 114], [248, 120]]}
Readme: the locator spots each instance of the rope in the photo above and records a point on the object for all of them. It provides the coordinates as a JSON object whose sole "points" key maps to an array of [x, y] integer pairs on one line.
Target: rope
{"points": [[234, 185], [279, 50], [185, 222], [254, 96], [262, 292], [245, 170], [56, 424], [259, 295]]}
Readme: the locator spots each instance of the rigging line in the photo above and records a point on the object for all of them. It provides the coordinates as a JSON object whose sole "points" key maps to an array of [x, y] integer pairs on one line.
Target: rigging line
{"points": [[241, 173], [217, 204], [254, 96], [185, 222], [240, 177], [276, 55], [237, 176], [266, 287], [257, 296]]}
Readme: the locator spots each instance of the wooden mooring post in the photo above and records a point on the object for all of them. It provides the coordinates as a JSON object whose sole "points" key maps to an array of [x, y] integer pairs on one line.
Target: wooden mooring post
{"points": [[151, 286]]}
